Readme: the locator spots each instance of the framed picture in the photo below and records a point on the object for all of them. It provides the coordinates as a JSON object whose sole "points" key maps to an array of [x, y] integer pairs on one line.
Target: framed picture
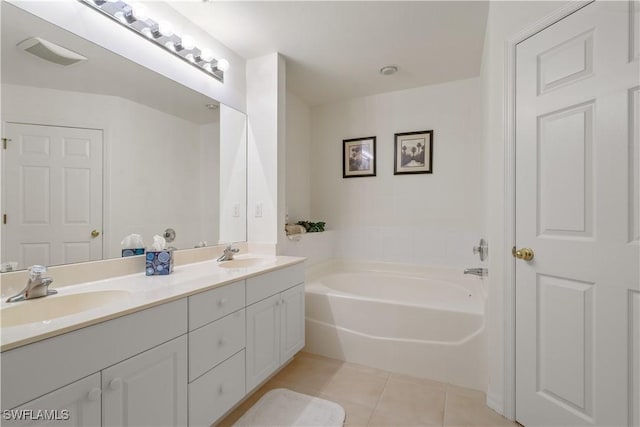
{"points": [[413, 152], [359, 157]]}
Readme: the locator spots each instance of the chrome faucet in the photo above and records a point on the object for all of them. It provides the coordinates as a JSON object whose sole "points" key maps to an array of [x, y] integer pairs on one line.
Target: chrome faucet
{"points": [[480, 272], [37, 285], [228, 253]]}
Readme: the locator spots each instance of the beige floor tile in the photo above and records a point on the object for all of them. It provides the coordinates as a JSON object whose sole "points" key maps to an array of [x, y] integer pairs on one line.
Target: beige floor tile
{"points": [[405, 403], [308, 373], [356, 385], [464, 408], [421, 381], [356, 414]]}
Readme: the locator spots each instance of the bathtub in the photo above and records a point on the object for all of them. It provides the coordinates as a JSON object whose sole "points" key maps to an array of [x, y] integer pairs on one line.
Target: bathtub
{"points": [[427, 323]]}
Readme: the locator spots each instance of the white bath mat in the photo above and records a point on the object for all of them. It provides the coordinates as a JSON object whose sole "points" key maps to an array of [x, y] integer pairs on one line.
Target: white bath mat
{"points": [[281, 407]]}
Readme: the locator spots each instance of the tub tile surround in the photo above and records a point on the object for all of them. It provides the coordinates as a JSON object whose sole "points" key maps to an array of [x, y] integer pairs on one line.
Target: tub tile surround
{"points": [[144, 292], [382, 398], [423, 246]]}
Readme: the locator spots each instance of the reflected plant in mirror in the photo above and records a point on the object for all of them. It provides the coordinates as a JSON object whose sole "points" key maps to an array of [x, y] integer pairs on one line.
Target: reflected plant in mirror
{"points": [[102, 148]]}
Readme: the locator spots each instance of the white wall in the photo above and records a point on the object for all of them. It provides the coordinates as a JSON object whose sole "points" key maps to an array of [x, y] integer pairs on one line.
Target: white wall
{"points": [[429, 219], [298, 159], [152, 162], [233, 175], [92, 25], [505, 20], [266, 145]]}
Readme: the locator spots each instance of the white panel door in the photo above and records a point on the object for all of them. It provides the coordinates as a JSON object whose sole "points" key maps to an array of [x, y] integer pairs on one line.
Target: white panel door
{"points": [[53, 203], [577, 195], [149, 389], [291, 322], [77, 404]]}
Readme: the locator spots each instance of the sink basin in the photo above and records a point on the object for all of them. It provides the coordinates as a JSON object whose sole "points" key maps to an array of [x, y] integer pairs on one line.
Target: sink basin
{"points": [[51, 307], [243, 263]]}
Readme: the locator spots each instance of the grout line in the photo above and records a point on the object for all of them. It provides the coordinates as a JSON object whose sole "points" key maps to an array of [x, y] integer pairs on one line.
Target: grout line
{"points": [[444, 410], [386, 381]]}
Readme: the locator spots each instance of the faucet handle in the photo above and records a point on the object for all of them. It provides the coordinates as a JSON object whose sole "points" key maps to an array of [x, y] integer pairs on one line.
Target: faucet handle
{"points": [[37, 271]]}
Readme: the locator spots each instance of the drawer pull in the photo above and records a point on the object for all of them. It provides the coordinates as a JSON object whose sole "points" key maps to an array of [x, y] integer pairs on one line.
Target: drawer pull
{"points": [[222, 341], [221, 389], [222, 302], [94, 394], [115, 384]]}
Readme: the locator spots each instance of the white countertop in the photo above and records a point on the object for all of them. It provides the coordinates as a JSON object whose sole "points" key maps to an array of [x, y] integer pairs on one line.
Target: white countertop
{"points": [[143, 292]]}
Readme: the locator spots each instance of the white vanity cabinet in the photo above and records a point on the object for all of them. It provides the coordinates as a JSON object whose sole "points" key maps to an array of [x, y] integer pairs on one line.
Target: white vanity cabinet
{"points": [[275, 321], [142, 350], [183, 362], [77, 404], [216, 352], [149, 389]]}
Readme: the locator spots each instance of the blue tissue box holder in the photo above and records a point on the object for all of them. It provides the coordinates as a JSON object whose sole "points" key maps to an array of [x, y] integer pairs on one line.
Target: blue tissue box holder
{"points": [[132, 252], [159, 262]]}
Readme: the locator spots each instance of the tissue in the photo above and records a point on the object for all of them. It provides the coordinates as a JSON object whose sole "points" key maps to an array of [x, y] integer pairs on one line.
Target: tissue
{"points": [[159, 258], [159, 243], [132, 245]]}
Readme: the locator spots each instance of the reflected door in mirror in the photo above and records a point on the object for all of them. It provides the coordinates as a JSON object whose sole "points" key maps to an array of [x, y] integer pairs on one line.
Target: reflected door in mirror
{"points": [[53, 181]]}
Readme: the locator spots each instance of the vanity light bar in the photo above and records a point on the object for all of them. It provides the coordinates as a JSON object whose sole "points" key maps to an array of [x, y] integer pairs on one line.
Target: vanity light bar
{"points": [[161, 34]]}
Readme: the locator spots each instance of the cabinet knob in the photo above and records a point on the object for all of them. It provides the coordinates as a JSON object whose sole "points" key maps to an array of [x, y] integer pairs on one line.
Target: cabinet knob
{"points": [[222, 302], [115, 384], [278, 302], [222, 341], [221, 389], [94, 394]]}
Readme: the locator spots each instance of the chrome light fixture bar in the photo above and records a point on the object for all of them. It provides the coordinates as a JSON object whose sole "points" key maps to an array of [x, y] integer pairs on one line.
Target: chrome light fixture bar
{"points": [[161, 34]]}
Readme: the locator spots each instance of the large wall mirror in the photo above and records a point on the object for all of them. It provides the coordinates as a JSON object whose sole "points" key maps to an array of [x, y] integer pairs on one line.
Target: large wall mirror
{"points": [[104, 148]]}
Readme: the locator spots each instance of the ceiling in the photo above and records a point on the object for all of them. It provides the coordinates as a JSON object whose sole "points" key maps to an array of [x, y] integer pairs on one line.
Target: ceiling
{"points": [[334, 49]]}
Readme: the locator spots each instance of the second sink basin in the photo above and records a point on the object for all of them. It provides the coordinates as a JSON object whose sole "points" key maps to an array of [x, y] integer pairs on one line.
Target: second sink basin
{"points": [[52, 307], [243, 263]]}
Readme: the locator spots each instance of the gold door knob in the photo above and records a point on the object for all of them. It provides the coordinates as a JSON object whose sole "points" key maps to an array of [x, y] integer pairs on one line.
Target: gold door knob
{"points": [[524, 253], [95, 233]]}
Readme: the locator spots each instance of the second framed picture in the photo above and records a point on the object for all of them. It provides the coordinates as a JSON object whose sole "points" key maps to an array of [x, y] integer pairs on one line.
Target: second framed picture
{"points": [[359, 157], [413, 152]]}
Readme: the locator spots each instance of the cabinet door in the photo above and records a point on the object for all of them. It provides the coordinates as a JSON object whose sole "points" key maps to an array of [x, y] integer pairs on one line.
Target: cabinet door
{"points": [[149, 389], [77, 404], [263, 340], [292, 322]]}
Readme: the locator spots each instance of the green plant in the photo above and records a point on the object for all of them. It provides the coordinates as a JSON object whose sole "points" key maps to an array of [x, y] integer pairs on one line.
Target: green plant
{"points": [[312, 227]]}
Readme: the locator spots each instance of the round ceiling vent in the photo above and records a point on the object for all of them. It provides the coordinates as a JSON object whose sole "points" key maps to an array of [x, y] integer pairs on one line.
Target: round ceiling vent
{"points": [[388, 70]]}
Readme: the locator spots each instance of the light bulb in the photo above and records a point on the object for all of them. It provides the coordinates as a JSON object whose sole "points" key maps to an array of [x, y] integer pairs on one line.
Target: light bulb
{"points": [[119, 15], [165, 28], [207, 67], [147, 32], [189, 57], [222, 65], [170, 46], [188, 42], [139, 12], [206, 55]]}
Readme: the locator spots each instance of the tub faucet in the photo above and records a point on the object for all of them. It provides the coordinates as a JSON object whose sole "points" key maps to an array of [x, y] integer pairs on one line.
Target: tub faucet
{"points": [[228, 253], [480, 272], [37, 285]]}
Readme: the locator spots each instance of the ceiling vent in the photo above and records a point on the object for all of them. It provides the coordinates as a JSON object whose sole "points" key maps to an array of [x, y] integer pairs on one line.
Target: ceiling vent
{"points": [[50, 51]]}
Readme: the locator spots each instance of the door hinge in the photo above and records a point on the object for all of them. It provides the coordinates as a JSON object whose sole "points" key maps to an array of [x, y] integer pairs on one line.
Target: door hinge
{"points": [[4, 143], [4, 218]]}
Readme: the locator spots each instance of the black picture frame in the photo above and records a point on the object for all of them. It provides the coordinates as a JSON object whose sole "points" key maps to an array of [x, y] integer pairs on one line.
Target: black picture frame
{"points": [[413, 153], [359, 157]]}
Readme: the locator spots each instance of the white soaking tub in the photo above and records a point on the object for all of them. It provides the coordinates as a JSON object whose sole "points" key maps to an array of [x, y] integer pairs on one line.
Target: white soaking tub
{"points": [[427, 323]]}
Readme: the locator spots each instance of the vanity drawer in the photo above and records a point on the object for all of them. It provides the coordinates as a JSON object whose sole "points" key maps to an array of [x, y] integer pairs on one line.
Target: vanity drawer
{"points": [[215, 342], [265, 285], [216, 303], [214, 393]]}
